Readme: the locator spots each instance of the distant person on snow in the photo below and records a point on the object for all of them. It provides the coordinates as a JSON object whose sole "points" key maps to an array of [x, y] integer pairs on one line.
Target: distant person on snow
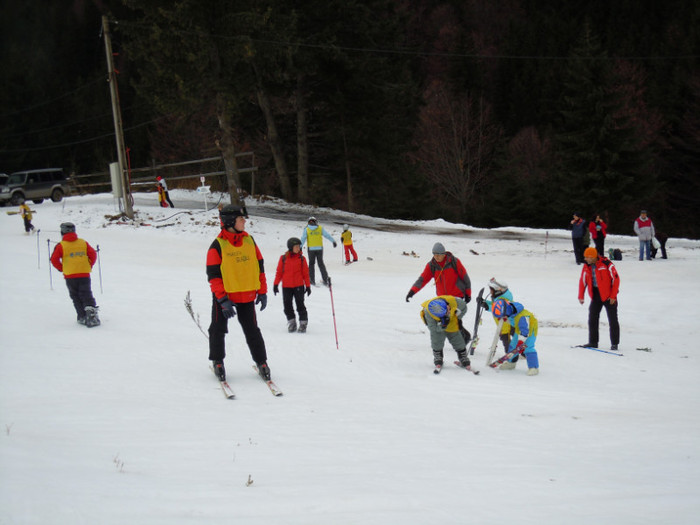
{"points": [[578, 229], [600, 277], [525, 326], [314, 234], [644, 229], [26, 214], [451, 278], [75, 258], [661, 238], [236, 274], [163, 195], [598, 230], [293, 273], [346, 237], [442, 315]]}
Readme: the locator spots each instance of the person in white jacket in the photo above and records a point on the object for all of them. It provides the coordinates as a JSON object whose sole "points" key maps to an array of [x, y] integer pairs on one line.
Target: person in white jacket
{"points": [[644, 229]]}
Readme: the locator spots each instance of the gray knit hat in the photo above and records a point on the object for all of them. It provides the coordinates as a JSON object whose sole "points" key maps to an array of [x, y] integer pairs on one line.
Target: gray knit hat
{"points": [[438, 248]]}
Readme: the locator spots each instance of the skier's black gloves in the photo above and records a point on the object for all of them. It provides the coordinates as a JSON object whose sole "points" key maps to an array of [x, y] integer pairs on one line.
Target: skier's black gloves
{"points": [[308, 290], [262, 301], [276, 289], [335, 244], [468, 298], [227, 308], [410, 294]]}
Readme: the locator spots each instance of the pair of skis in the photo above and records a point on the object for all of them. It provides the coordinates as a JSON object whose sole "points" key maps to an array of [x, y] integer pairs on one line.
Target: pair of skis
{"points": [[438, 368], [230, 394]]}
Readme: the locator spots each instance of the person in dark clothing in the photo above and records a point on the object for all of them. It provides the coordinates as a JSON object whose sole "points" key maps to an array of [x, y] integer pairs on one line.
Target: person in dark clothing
{"points": [[578, 228], [662, 238], [236, 274]]}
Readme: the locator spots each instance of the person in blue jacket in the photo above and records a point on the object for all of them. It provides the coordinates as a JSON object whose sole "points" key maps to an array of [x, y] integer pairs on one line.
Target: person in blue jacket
{"points": [[313, 235], [578, 230], [525, 325]]}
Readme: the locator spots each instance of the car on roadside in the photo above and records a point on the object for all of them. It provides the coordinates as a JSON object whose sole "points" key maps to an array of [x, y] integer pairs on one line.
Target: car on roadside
{"points": [[34, 185], [3, 178]]}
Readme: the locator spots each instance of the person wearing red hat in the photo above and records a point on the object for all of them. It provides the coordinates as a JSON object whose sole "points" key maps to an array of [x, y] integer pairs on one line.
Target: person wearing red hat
{"points": [[600, 278]]}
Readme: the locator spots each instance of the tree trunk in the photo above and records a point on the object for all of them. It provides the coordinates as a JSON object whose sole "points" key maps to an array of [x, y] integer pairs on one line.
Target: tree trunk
{"points": [[302, 143], [228, 150], [348, 173], [273, 139]]}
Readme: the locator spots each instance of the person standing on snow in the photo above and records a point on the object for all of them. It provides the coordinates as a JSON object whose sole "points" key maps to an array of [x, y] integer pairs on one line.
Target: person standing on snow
{"points": [[600, 277], [346, 237], [163, 191], [314, 234], [236, 274], [75, 258], [293, 273], [525, 326], [26, 214], [644, 229], [451, 278], [578, 229], [442, 315], [598, 230]]}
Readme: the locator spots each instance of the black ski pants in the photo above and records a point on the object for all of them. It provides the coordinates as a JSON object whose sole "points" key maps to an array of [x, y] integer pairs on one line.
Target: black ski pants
{"points": [[80, 291], [245, 313], [314, 256], [594, 316], [297, 295]]}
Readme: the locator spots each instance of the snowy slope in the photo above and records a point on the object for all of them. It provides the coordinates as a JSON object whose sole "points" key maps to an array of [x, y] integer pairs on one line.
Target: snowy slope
{"points": [[125, 423]]}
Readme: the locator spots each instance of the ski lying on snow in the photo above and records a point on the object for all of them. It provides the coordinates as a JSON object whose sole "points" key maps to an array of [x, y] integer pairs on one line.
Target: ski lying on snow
{"points": [[225, 387], [475, 372], [270, 384], [505, 358], [613, 352]]}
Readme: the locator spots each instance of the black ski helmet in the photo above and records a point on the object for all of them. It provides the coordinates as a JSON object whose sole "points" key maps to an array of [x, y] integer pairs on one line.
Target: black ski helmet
{"points": [[292, 242], [230, 213], [67, 227]]}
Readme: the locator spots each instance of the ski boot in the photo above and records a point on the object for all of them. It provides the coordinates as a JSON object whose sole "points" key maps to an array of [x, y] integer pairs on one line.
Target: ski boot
{"points": [[219, 370], [91, 318], [302, 326], [508, 365], [264, 371], [81, 320], [437, 357], [533, 371], [463, 359], [291, 325]]}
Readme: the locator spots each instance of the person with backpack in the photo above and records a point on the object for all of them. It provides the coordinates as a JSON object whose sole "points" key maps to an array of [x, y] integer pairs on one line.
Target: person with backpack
{"points": [[599, 276], [74, 257], [236, 275], [293, 273]]}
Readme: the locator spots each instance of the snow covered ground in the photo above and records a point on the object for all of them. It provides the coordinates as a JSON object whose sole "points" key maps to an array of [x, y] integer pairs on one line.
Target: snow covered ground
{"points": [[125, 423]]}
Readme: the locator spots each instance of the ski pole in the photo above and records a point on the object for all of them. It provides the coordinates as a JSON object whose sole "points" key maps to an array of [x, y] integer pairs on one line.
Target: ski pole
{"points": [[333, 310], [48, 251], [38, 250], [99, 267]]}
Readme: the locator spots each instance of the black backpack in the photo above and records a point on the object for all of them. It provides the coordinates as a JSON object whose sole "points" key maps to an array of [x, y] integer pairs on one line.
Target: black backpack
{"points": [[615, 254]]}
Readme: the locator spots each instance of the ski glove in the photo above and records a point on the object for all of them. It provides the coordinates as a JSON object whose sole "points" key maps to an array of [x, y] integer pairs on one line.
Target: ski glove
{"points": [[335, 244], [227, 308], [520, 347], [262, 301], [276, 289], [308, 291], [410, 294]]}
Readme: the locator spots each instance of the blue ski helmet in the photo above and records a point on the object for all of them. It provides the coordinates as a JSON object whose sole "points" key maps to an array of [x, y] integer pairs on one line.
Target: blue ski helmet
{"points": [[500, 308], [438, 307]]}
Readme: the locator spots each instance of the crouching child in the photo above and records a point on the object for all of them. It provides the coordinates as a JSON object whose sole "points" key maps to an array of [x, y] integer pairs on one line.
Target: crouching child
{"points": [[442, 315]]}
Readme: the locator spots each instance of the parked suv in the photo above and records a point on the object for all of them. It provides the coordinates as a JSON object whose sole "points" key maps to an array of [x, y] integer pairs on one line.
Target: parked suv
{"points": [[35, 185]]}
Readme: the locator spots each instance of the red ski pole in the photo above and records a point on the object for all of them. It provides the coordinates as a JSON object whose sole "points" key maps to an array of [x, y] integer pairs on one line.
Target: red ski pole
{"points": [[333, 310]]}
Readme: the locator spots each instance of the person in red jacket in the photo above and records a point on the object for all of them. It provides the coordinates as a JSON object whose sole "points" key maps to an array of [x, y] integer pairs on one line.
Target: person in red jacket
{"points": [[600, 277], [75, 258], [236, 274], [293, 273], [598, 230]]}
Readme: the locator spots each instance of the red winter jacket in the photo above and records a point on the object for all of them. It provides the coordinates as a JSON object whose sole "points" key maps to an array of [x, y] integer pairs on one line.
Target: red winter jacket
{"points": [[450, 276], [292, 271], [606, 277], [592, 227]]}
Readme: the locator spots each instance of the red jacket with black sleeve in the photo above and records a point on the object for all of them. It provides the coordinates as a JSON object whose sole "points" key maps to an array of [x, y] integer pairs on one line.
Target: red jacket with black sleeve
{"points": [[292, 271], [606, 277], [235, 267], [450, 276]]}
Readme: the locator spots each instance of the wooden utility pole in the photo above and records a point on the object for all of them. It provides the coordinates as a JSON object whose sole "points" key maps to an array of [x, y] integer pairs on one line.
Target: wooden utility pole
{"points": [[117, 114]]}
